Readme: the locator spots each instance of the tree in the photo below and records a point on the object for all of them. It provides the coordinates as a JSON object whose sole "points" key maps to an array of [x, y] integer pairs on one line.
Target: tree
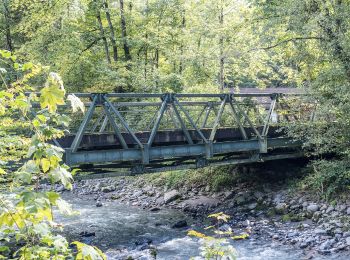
{"points": [[27, 227]]}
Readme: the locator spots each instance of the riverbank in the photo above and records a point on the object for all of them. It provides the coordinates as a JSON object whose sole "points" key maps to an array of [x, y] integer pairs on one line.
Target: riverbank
{"points": [[270, 211]]}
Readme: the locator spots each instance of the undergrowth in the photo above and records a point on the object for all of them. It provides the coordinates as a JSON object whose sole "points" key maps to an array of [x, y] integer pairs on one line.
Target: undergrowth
{"points": [[217, 178]]}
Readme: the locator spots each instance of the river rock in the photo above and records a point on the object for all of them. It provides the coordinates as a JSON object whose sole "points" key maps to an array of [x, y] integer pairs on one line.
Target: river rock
{"points": [[154, 209], [180, 224], [346, 234], [171, 196], [252, 205], [329, 209], [229, 195], [108, 189], [87, 234], [201, 201], [312, 208], [326, 245], [143, 240], [281, 208], [97, 187], [348, 211], [347, 241], [319, 231], [99, 204]]}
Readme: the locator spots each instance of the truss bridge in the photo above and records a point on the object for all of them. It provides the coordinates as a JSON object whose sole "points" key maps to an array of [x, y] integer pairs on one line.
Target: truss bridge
{"points": [[159, 132]]}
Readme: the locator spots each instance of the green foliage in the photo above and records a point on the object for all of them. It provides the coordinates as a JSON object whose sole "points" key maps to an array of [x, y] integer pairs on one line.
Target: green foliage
{"points": [[27, 227], [329, 178], [217, 178], [174, 45]]}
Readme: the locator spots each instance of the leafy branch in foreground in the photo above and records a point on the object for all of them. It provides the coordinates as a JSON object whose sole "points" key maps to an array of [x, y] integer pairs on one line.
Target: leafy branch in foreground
{"points": [[27, 226], [218, 246]]}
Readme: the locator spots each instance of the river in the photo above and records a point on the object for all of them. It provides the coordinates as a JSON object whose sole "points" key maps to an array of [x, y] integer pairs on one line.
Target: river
{"points": [[118, 226]]}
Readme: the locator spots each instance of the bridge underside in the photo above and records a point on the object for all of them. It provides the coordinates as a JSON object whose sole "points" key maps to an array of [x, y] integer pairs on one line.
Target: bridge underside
{"points": [[170, 151]]}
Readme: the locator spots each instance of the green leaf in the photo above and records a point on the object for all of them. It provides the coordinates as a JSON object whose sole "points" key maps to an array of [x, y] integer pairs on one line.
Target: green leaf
{"points": [[60, 243], [53, 94], [52, 196], [27, 66], [4, 249], [62, 175], [86, 252], [45, 164], [5, 54]]}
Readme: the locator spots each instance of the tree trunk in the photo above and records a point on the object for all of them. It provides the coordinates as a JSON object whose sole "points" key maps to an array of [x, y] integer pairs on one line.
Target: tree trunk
{"points": [[221, 46], [103, 37], [8, 28], [111, 28], [182, 44], [124, 34], [146, 45], [156, 58]]}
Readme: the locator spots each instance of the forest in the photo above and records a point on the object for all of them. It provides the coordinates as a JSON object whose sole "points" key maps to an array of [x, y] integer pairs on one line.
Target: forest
{"points": [[57, 47]]}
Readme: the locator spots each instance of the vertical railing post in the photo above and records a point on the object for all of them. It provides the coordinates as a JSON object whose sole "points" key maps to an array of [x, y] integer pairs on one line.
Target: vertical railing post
{"points": [[217, 119], [182, 123], [238, 120], [269, 114], [159, 118]]}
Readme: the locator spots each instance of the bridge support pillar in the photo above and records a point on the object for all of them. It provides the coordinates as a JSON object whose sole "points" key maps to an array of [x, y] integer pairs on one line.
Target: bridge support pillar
{"points": [[145, 154], [263, 145], [67, 157], [209, 150]]}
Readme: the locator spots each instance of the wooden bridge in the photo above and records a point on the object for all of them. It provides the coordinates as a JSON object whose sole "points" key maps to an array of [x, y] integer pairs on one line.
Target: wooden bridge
{"points": [[158, 132]]}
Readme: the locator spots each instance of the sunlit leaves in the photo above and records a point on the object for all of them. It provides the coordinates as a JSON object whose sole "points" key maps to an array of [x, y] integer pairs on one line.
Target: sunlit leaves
{"points": [[45, 164], [220, 216], [64, 207], [86, 252], [76, 103], [5, 54], [61, 174], [51, 96], [196, 234], [27, 217]]}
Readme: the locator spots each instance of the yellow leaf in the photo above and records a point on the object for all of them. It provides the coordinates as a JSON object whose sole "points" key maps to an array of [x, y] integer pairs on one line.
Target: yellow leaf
{"points": [[51, 96], [195, 234], [239, 237], [45, 164]]}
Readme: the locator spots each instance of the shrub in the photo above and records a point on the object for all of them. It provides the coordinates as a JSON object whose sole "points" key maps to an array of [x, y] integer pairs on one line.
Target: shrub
{"points": [[328, 178]]}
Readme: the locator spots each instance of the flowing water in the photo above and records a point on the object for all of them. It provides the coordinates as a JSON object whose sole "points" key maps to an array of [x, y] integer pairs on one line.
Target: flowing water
{"points": [[119, 226]]}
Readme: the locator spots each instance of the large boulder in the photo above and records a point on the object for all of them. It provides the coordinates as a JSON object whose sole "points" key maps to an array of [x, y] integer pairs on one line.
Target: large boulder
{"points": [[312, 208], [171, 196], [200, 202], [107, 189]]}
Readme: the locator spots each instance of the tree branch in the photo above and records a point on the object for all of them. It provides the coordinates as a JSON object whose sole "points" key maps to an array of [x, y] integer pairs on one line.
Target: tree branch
{"points": [[286, 41]]}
